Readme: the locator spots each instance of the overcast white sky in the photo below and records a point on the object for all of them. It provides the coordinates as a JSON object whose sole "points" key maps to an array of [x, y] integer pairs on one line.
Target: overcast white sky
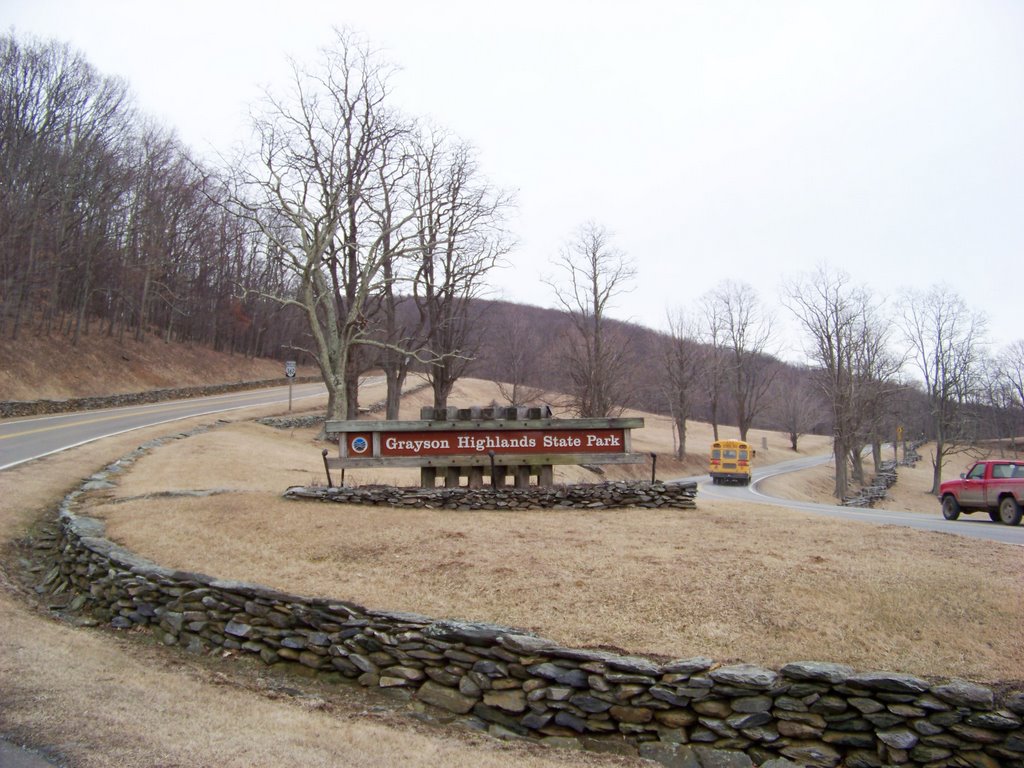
{"points": [[743, 140]]}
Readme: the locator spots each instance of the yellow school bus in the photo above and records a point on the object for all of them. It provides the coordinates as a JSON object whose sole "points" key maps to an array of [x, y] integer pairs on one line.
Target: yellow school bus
{"points": [[731, 462]]}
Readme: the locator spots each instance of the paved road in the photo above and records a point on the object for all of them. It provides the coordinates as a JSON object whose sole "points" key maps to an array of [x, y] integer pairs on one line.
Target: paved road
{"points": [[976, 526], [32, 437], [13, 756]]}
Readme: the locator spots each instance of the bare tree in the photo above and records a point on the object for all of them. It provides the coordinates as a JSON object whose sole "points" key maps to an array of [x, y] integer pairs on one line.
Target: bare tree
{"points": [[313, 191], [877, 388], [945, 338], [842, 325], [105, 219], [795, 404], [713, 335], [683, 372], [596, 273], [518, 365], [744, 333], [397, 326], [461, 236], [1007, 386], [65, 140], [1010, 367]]}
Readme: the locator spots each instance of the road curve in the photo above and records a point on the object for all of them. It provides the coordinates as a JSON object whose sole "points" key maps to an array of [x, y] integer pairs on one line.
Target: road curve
{"points": [[32, 437], [975, 526]]}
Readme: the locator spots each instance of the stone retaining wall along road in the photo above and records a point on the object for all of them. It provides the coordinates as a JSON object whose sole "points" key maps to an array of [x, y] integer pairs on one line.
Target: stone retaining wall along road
{"points": [[680, 712], [10, 408]]}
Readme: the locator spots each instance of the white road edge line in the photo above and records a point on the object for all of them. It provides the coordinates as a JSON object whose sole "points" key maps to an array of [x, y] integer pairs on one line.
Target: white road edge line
{"points": [[143, 426]]}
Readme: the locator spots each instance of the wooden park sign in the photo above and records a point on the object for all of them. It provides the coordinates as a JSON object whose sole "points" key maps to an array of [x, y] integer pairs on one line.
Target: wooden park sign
{"points": [[472, 442]]}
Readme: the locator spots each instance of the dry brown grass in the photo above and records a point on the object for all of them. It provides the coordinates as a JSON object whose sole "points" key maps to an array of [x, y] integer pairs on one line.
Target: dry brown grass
{"points": [[758, 584], [98, 367], [755, 583], [101, 701], [93, 698]]}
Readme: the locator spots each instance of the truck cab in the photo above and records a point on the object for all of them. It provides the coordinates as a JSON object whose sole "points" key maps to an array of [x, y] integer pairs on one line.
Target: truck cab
{"points": [[995, 486]]}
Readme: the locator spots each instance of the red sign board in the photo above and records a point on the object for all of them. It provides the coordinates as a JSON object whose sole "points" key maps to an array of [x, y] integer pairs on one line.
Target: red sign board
{"points": [[504, 441]]}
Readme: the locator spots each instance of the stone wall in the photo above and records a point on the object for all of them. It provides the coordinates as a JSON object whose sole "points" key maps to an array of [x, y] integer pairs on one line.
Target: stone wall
{"points": [[306, 421], [876, 490], [680, 712], [610, 495], [10, 408]]}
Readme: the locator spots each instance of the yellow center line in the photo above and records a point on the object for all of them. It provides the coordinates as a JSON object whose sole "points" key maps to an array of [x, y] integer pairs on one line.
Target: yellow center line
{"points": [[80, 422], [64, 425]]}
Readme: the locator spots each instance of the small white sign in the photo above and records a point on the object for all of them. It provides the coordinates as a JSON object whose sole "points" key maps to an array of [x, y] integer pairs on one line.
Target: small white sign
{"points": [[289, 369]]}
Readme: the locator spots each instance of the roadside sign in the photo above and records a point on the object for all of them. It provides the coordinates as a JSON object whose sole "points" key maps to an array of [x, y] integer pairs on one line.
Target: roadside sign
{"points": [[289, 371]]}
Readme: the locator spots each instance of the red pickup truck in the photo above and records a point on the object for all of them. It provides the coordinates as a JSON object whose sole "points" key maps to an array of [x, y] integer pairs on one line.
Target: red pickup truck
{"points": [[995, 486]]}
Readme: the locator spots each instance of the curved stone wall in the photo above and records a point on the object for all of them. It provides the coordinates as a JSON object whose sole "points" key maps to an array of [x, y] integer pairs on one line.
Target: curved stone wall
{"points": [[692, 712], [610, 495]]}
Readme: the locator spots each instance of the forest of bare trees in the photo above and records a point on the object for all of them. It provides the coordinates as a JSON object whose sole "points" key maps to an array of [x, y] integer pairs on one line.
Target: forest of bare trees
{"points": [[107, 223], [349, 235]]}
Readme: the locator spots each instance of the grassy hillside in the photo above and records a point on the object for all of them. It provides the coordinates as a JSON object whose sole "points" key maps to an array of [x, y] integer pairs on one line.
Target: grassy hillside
{"points": [[35, 368]]}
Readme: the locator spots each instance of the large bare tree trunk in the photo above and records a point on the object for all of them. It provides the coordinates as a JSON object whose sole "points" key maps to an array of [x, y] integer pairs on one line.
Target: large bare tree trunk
{"points": [[839, 452], [395, 379], [680, 424], [857, 463]]}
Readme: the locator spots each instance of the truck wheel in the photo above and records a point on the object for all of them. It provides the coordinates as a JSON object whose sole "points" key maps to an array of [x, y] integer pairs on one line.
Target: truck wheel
{"points": [[1009, 511], [950, 508]]}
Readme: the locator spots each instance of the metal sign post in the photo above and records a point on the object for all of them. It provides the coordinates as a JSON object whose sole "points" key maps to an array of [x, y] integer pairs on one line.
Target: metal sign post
{"points": [[289, 371]]}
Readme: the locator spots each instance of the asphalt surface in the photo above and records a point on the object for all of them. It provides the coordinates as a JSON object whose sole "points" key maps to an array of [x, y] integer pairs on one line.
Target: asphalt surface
{"points": [[13, 756], [32, 437], [976, 526], [28, 438]]}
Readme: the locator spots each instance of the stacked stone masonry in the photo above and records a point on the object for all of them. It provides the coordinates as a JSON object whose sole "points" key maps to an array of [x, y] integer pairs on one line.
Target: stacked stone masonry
{"points": [[806, 713], [612, 495], [11, 408], [877, 489]]}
